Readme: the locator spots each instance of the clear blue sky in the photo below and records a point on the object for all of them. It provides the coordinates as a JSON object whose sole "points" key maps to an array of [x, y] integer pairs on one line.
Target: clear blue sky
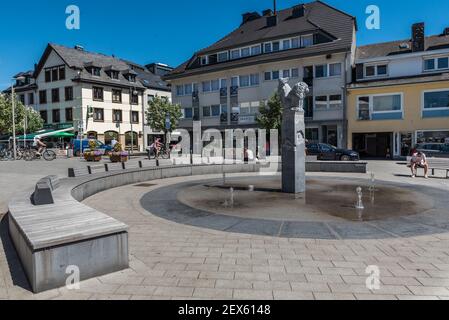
{"points": [[170, 31]]}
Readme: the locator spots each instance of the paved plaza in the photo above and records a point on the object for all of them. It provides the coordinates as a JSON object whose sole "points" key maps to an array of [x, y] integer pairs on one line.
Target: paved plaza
{"points": [[169, 260]]}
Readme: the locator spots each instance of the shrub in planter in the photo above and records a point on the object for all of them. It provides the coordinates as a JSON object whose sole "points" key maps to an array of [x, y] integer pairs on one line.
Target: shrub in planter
{"points": [[118, 155], [93, 156]]}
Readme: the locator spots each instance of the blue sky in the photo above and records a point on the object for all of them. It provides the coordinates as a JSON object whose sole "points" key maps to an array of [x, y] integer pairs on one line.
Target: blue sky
{"points": [[170, 31]]}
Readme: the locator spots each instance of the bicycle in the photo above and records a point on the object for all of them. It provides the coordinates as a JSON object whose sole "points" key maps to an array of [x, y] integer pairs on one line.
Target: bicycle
{"points": [[47, 155], [8, 154], [164, 153]]}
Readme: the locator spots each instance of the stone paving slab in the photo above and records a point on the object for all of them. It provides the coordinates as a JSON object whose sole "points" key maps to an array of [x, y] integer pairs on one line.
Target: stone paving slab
{"points": [[174, 261]]}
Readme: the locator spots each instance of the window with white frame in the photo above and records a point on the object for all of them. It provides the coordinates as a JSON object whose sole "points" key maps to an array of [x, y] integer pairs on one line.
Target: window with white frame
{"points": [[335, 101], [286, 73], [267, 76], [249, 108], [188, 113], [321, 102], [328, 70], [376, 70], [255, 50], [436, 100], [223, 83], [179, 90], [434, 64], [213, 111], [334, 69], [321, 71], [244, 81], [245, 52], [204, 60], [267, 47], [235, 54], [235, 81], [275, 75], [296, 42], [276, 46], [206, 86], [286, 44], [215, 85], [206, 112], [307, 41], [254, 79], [375, 104], [211, 85], [295, 73], [223, 56], [188, 89]]}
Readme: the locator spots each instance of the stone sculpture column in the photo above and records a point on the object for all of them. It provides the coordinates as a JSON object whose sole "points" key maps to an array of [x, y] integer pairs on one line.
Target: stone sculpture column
{"points": [[293, 138]]}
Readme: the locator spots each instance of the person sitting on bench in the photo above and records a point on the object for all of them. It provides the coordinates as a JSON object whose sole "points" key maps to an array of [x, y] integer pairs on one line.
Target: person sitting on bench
{"points": [[419, 160]]}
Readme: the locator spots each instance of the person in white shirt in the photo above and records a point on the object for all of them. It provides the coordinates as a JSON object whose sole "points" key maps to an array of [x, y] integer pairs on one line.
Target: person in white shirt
{"points": [[113, 143], [419, 160], [38, 145]]}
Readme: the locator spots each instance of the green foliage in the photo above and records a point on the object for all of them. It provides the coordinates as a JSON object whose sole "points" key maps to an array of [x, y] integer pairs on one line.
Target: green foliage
{"points": [[34, 120], [270, 114], [157, 113]]}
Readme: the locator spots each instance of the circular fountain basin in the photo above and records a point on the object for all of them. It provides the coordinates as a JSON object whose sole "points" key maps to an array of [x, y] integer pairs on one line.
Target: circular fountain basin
{"points": [[325, 199], [327, 210]]}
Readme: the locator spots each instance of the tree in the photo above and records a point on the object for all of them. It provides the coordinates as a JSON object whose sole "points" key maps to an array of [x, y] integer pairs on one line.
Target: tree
{"points": [[34, 120], [157, 113], [270, 114]]}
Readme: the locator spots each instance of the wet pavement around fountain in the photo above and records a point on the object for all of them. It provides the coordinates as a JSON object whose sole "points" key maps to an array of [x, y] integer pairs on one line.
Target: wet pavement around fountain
{"points": [[170, 260]]}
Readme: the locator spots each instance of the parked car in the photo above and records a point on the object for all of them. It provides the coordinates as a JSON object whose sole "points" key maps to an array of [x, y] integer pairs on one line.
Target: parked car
{"points": [[100, 146], [327, 152], [437, 150]]}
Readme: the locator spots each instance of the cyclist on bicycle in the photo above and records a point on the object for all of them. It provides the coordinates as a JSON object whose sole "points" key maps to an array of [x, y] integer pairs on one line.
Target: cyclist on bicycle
{"points": [[156, 147], [38, 145]]}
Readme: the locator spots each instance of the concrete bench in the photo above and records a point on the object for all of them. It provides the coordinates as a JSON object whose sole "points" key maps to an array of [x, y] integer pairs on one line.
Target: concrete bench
{"points": [[435, 164], [51, 239], [43, 192]]}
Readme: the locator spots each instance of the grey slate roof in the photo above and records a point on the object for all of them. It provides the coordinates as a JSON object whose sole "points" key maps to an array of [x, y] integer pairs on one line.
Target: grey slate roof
{"points": [[387, 49], [318, 17], [80, 59]]}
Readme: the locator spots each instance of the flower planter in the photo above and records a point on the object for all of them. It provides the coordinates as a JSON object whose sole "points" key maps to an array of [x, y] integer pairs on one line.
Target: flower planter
{"points": [[118, 158], [92, 158]]}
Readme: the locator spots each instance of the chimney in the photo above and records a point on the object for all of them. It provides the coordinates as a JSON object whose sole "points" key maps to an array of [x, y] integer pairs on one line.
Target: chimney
{"points": [[267, 13], [418, 37], [249, 16], [298, 11], [79, 48], [446, 32]]}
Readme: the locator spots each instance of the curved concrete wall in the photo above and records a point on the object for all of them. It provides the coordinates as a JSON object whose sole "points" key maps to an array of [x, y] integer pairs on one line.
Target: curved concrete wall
{"points": [[89, 186]]}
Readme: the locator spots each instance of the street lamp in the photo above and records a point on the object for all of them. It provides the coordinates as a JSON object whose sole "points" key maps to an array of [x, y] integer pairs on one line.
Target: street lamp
{"points": [[13, 103]]}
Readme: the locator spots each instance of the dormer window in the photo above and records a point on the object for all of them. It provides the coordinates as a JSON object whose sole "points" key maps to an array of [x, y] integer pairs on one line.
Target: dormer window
{"points": [[132, 78], [95, 71], [307, 41], [223, 56], [376, 70], [434, 64], [204, 60], [114, 75]]}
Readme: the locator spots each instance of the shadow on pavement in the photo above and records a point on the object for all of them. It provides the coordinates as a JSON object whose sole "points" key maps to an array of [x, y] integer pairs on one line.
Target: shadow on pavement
{"points": [[15, 267]]}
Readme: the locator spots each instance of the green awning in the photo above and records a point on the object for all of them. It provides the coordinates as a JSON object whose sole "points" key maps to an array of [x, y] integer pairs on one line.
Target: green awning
{"points": [[46, 133]]}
